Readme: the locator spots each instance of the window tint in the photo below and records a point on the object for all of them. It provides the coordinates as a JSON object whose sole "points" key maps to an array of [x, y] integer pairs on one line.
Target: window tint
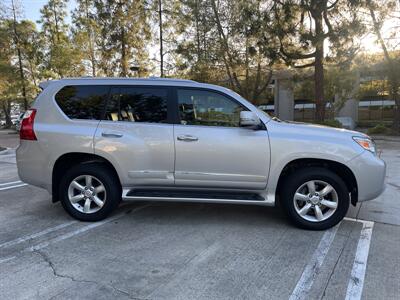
{"points": [[198, 107], [82, 101], [138, 104]]}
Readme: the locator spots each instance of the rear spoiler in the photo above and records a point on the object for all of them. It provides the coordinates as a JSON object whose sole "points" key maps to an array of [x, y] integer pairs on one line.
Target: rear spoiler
{"points": [[43, 85]]}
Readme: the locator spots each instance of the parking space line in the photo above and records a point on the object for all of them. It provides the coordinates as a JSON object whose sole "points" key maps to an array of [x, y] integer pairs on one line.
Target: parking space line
{"points": [[81, 230], [9, 183], [73, 233], [311, 270], [356, 282], [36, 235], [13, 186]]}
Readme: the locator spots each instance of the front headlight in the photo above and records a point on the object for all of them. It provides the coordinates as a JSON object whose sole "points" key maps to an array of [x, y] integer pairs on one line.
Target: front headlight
{"points": [[366, 143]]}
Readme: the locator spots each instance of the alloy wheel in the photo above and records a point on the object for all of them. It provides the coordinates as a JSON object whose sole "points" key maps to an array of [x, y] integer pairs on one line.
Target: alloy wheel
{"points": [[315, 201], [87, 194]]}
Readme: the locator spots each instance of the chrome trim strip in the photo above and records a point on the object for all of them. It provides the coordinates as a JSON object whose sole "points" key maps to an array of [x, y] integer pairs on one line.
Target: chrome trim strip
{"points": [[204, 200]]}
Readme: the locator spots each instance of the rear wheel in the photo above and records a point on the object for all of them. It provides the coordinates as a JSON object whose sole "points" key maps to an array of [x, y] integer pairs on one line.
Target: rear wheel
{"points": [[315, 198], [89, 192]]}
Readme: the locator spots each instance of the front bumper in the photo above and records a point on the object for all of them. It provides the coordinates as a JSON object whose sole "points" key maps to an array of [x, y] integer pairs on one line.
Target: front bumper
{"points": [[370, 172]]}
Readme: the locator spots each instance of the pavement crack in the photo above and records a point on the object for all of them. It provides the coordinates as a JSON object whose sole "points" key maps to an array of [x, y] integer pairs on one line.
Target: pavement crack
{"points": [[336, 263], [47, 259]]}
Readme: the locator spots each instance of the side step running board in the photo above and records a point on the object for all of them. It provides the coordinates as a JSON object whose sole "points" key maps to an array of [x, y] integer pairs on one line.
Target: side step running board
{"points": [[194, 196]]}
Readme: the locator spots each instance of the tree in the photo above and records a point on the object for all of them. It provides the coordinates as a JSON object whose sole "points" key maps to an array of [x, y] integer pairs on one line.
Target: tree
{"points": [[86, 32], [7, 72], [170, 25], [197, 55], [228, 42], [20, 41], [379, 12], [306, 28], [62, 58], [125, 32], [17, 44]]}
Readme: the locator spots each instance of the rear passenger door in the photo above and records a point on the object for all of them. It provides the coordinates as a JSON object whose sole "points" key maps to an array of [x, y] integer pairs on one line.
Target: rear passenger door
{"points": [[136, 135]]}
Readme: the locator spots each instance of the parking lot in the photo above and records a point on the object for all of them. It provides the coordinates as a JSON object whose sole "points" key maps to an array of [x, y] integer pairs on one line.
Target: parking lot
{"points": [[194, 251]]}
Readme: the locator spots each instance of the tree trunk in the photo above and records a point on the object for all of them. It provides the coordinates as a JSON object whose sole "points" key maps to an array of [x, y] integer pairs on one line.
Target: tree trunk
{"points": [[161, 38], [20, 67], [124, 63], [196, 16], [319, 72], [22, 77], [90, 36], [7, 112]]}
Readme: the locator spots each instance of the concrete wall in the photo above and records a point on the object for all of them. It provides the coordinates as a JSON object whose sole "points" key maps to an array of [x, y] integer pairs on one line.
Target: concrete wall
{"points": [[284, 98]]}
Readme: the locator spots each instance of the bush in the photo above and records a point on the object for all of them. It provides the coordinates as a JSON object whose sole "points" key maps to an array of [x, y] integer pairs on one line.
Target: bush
{"points": [[378, 129], [331, 123]]}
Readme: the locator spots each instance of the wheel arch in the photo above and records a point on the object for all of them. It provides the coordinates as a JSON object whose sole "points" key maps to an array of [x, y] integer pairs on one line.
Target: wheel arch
{"points": [[68, 160], [338, 168]]}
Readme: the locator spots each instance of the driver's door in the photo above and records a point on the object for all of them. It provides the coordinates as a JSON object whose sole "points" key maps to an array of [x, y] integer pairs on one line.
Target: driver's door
{"points": [[212, 150]]}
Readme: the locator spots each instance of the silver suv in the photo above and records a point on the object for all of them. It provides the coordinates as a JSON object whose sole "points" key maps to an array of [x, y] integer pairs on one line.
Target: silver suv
{"points": [[93, 142]]}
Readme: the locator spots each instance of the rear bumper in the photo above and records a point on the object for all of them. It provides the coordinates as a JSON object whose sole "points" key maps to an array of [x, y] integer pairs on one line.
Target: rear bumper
{"points": [[370, 172], [33, 165]]}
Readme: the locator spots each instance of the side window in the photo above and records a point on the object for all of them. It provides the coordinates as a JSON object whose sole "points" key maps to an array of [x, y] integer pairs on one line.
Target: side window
{"points": [[138, 104], [82, 101], [197, 107]]}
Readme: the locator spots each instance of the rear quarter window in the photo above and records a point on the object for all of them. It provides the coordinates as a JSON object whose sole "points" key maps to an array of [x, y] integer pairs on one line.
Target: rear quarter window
{"points": [[82, 101]]}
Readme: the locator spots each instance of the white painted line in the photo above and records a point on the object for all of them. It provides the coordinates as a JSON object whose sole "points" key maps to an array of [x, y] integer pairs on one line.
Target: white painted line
{"points": [[358, 220], [81, 230], [312, 268], [71, 234], [13, 186], [2, 260], [11, 182], [36, 235], [356, 282]]}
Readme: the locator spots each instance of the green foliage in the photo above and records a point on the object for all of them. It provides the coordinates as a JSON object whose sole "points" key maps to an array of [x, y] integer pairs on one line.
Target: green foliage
{"points": [[305, 27], [62, 58], [86, 34], [228, 43], [378, 129], [124, 34], [237, 44]]}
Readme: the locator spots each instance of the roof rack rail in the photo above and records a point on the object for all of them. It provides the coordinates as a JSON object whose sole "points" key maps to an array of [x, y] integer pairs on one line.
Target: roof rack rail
{"points": [[131, 78]]}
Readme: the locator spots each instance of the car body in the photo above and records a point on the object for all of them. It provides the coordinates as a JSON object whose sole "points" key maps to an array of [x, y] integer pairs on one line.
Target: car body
{"points": [[180, 140]]}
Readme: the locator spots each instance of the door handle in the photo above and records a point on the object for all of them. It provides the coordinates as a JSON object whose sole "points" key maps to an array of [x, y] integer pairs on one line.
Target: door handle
{"points": [[111, 134], [187, 138]]}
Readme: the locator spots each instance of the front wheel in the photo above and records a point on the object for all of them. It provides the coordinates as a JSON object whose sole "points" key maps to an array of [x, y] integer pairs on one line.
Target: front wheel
{"points": [[315, 198], [89, 192]]}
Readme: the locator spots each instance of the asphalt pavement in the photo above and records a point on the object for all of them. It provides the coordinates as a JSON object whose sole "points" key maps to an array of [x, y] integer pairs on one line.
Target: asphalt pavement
{"points": [[194, 251]]}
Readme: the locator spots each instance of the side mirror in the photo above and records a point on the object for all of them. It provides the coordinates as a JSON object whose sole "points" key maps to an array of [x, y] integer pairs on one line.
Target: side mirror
{"points": [[249, 119]]}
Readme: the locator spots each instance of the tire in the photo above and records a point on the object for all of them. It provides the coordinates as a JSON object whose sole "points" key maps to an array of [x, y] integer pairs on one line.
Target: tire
{"points": [[103, 198], [318, 211]]}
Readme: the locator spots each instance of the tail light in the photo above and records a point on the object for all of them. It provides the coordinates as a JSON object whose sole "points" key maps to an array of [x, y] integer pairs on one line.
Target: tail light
{"points": [[26, 132]]}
